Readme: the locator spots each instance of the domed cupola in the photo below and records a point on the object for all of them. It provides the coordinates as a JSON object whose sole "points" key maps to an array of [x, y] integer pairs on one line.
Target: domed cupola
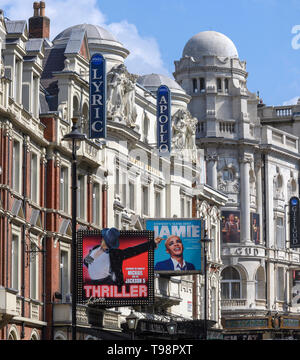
{"points": [[99, 41], [210, 43], [152, 82]]}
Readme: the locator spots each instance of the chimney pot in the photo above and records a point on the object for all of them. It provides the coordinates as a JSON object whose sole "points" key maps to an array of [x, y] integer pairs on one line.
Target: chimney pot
{"points": [[36, 7], [39, 24], [42, 8]]}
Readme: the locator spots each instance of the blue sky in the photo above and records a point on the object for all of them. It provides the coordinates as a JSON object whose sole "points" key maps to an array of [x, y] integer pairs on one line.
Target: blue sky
{"points": [[156, 32]]}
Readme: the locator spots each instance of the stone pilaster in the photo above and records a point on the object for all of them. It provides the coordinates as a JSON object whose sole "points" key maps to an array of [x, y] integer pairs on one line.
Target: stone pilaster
{"points": [[211, 164], [245, 162]]}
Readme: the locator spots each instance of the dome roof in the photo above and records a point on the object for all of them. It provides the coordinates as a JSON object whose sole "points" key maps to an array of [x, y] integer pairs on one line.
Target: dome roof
{"points": [[154, 81], [210, 43], [94, 33]]}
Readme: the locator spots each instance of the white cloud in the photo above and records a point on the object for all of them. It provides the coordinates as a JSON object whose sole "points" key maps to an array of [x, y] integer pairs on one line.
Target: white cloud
{"points": [[292, 101], [145, 56]]}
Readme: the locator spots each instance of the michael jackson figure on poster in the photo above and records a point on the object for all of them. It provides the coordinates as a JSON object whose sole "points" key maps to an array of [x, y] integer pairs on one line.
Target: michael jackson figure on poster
{"points": [[104, 261]]}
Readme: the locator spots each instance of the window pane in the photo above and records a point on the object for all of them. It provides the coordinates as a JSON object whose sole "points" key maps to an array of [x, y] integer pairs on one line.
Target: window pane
{"points": [[230, 273], [33, 272], [235, 290], [64, 273], [225, 291], [16, 166], [63, 200], [157, 204], [96, 204], [80, 199], [145, 200], [131, 196], [15, 262], [34, 177]]}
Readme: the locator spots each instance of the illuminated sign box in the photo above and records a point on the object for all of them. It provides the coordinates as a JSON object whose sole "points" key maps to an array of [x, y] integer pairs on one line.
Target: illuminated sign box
{"points": [[179, 252], [164, 120], [294, 223], [97, 97], [129, 267]]}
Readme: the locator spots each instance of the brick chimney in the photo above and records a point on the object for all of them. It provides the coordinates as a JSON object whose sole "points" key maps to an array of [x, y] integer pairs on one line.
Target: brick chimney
{"points": [[39, 24]]}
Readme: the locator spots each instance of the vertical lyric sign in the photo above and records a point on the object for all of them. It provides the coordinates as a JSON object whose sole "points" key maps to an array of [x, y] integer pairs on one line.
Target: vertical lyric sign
{"points": [[294, 223], [164, 120], [97, 97]]}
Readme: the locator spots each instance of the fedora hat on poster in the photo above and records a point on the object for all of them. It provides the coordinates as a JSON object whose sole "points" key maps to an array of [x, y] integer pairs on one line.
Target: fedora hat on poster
{"points": [[111, 237]]}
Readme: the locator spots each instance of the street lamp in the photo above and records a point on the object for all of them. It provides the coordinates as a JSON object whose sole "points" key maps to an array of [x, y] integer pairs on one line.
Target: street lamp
{"points": [[132, 321], [74, 137], [172, 328], [205, 242]]}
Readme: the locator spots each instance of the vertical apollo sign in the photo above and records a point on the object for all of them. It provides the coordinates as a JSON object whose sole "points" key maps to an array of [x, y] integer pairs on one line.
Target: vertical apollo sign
{"points": [[164, 120], [294, 222], [97, 97]]}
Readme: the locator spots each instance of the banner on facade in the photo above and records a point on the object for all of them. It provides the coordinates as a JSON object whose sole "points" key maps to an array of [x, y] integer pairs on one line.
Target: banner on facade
{"points": [[97, 103], [255, 228], [230, 226], [120, 276], [295, 298], [164, 120], [294, 222], [179, 251]]}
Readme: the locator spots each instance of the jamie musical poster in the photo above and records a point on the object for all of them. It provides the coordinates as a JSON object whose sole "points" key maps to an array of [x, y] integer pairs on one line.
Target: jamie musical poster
{"points": [[179, 251]]}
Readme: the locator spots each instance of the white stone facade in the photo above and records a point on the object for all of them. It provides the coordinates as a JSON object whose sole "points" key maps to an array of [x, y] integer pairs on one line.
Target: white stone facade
{"points": [[252, 156]]}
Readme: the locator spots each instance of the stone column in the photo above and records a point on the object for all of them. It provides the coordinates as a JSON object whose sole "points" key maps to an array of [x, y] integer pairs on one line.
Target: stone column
{"points": [[259, 202], [211, 163], [245, 161]]}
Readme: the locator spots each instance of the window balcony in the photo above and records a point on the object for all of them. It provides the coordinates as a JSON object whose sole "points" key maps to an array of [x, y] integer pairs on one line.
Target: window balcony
{"points": [[229, 304], [85, 316], [8, 305], [167, 291]]}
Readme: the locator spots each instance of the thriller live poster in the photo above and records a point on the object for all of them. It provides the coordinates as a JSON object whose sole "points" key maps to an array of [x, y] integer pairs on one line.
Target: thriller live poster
{"points": [[118, 276]]}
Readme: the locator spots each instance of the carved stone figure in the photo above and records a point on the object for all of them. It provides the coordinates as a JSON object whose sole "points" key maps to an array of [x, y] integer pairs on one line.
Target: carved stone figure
{"points": [[184, 133], [130, 111], [63, 110], [121, 95], [178, 130], [115, 92]]}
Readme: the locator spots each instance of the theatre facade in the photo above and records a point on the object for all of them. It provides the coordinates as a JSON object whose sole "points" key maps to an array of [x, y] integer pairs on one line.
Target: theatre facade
{"points": [[234, 165]]}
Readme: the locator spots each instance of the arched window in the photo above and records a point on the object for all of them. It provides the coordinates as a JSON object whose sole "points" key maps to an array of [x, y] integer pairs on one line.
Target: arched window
{"points": [[219, 84], [231, 283], [13, 334], [214, 304], [226, 85], [260, 288], [34, 335], [85, 119], [75, 107]]}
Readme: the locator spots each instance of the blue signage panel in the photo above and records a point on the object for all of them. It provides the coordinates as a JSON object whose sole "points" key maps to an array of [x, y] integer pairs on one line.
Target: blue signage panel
{"points": [[294, 222], [179, 251], [97, 97], [164, 120]]}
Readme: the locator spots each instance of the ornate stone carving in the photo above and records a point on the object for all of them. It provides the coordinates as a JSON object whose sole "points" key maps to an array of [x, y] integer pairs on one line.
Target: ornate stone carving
{"points": [[292, 186], [229, 178], [121, 95], [252, 180], [63, 110], [278, 185], [184, 133]]}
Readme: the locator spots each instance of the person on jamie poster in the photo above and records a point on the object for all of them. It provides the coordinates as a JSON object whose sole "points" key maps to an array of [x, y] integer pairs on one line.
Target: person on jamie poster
{"points": [[104, 261]]}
